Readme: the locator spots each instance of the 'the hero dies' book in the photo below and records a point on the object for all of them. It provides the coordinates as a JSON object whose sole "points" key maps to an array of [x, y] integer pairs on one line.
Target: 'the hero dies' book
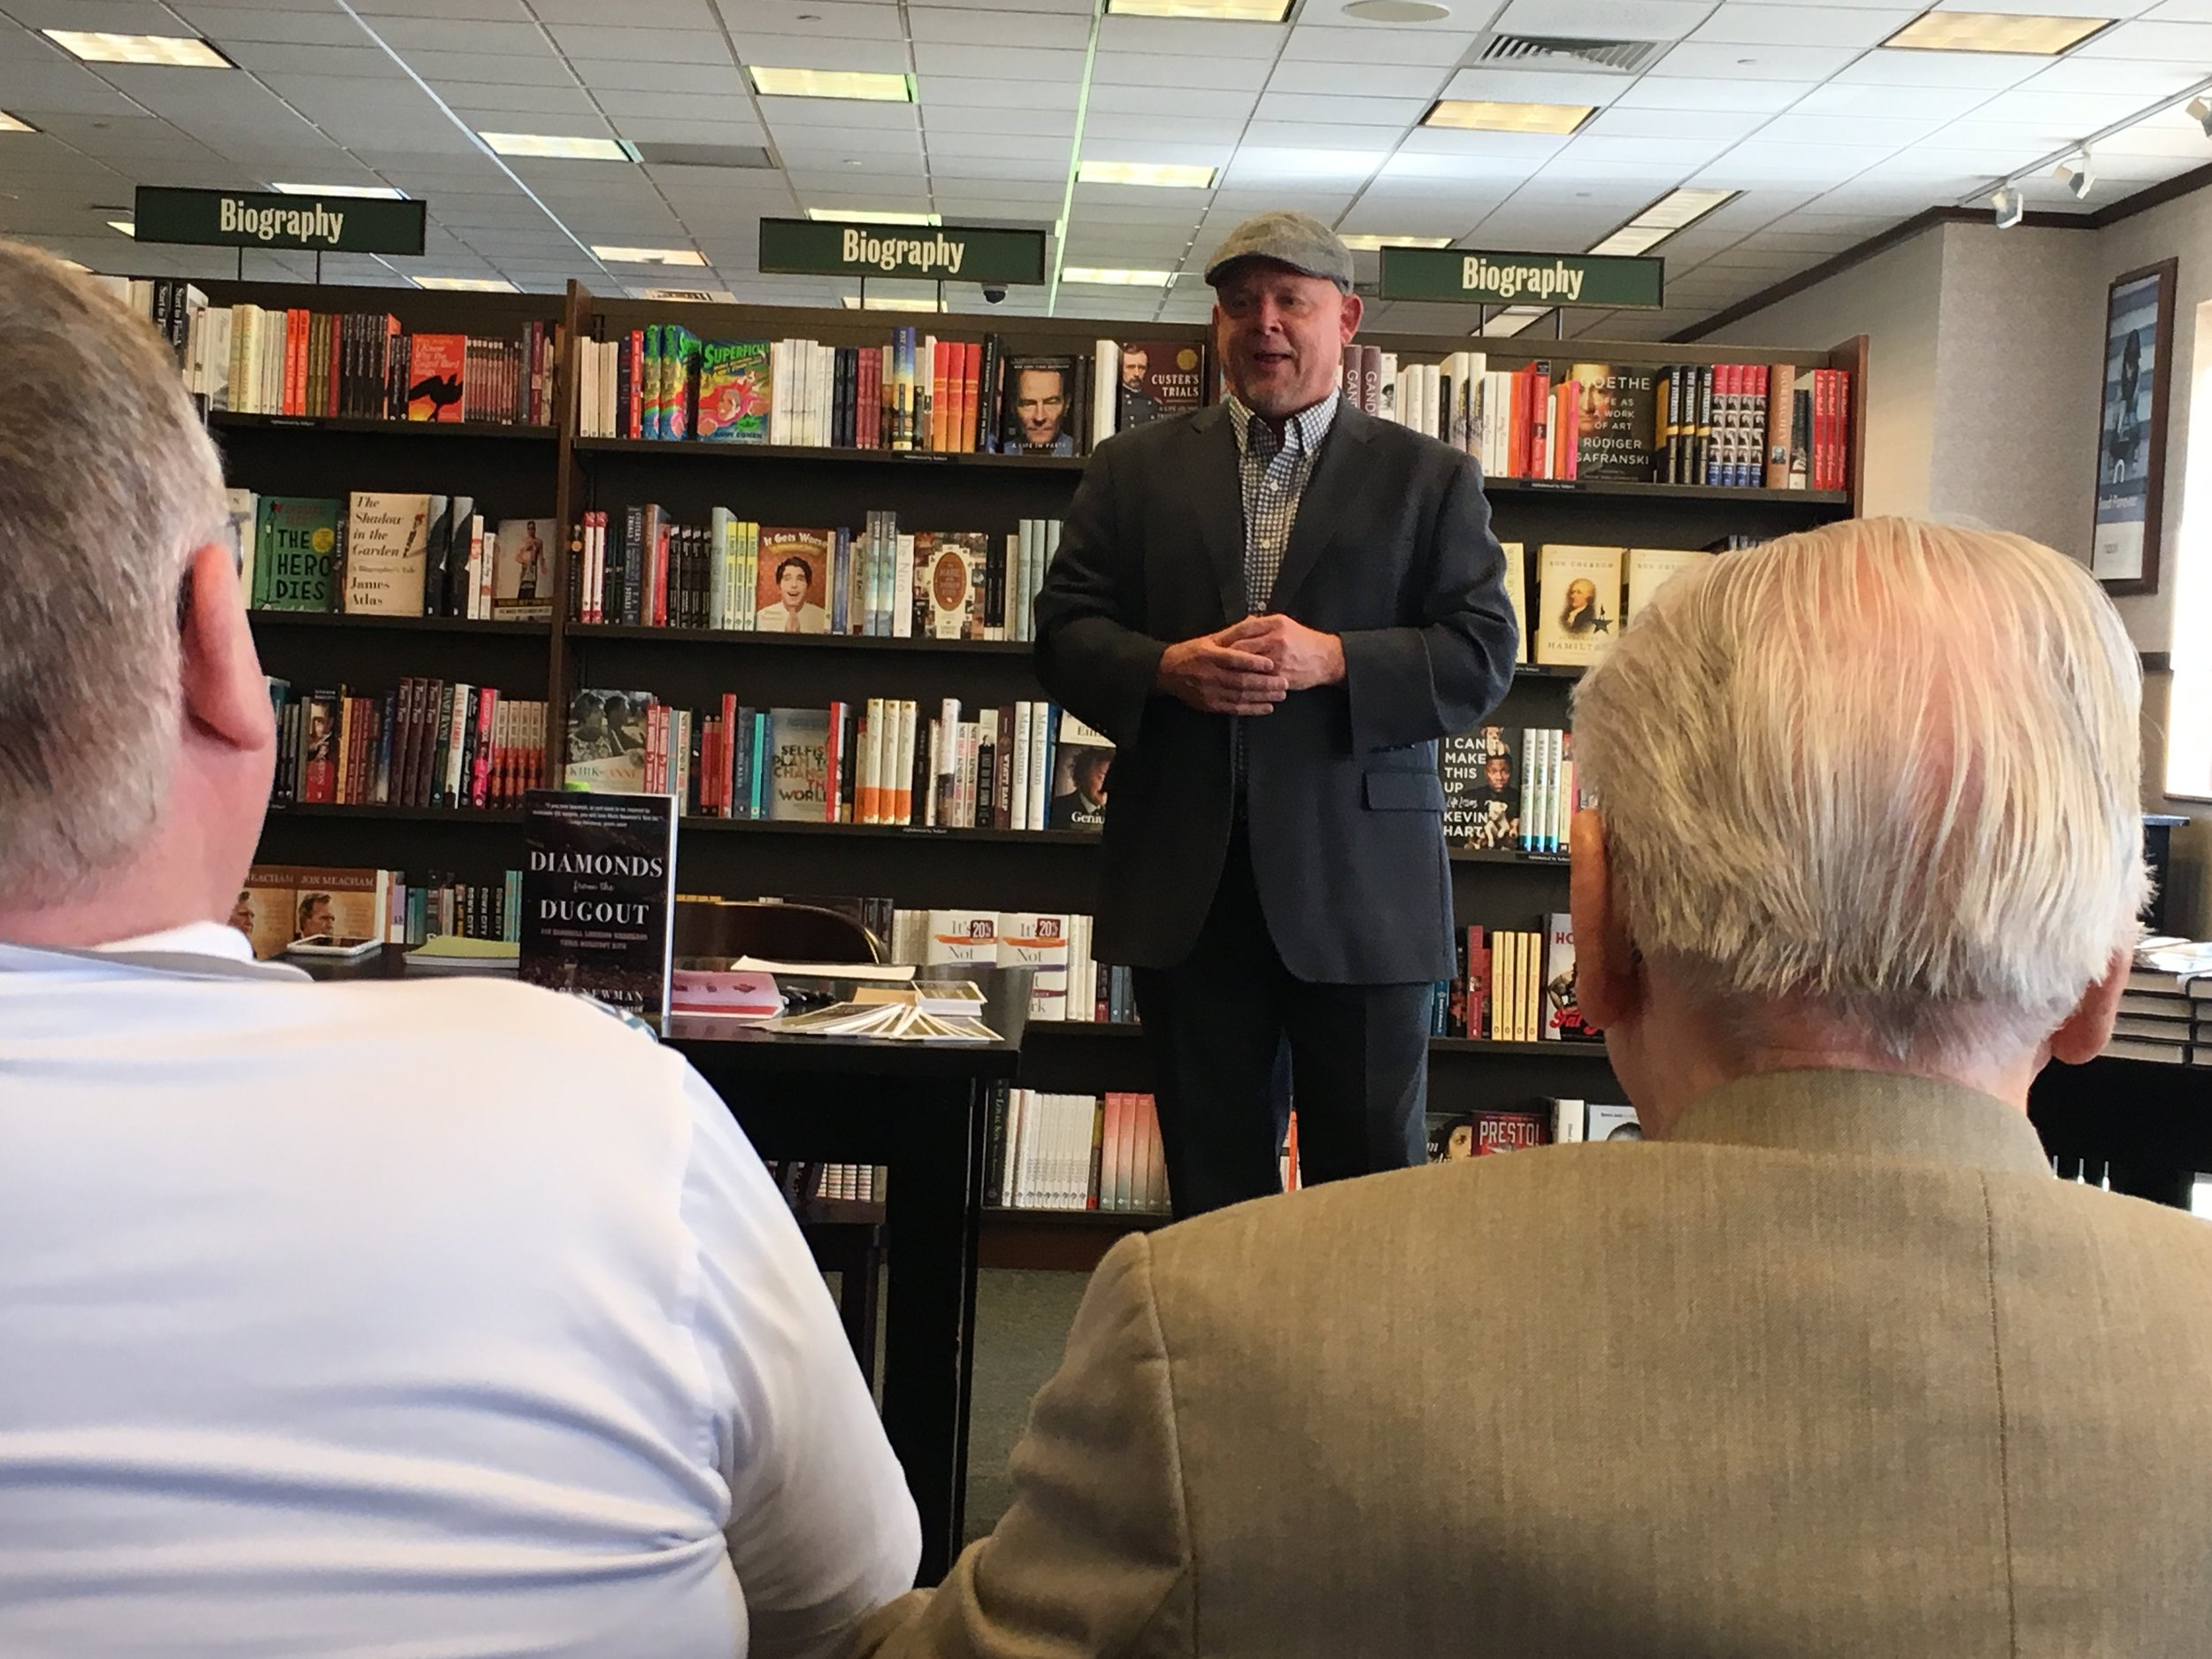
{"points": [[599, 896]]}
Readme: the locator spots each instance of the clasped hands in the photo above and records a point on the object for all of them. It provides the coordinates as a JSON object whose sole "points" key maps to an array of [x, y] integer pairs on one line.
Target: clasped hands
{"points": [[1249, 666]]}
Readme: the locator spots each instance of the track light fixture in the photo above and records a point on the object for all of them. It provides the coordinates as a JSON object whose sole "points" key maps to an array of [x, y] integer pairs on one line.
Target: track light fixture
{"points": [[2009, 205], [2201, 112], [2076, 172]]}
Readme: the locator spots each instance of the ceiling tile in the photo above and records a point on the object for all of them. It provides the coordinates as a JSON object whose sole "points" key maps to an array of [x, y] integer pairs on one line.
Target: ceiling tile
{"points": [[1598, 148], [1134, 69], [2188, 43], [1317, 135], [956, 91], [1138, 99], [807, 51], [1707, 59], [643, 46], [1356, 79], [273, 57], [719, 77], [519, 69], [2142, 82], [492, 109], [1840, 97], [1006, 63], [958, 26], [1858, 28], [1662, 92], [1422, 49], [1625, 122], [670, 14], [945, 116], [411, 37], [225, 25], [1895, 131]]}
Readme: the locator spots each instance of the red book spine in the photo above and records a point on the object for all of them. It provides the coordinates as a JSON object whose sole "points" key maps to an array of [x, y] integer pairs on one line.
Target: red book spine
{"points": [[1823, 415], [1840, 446], [487, 709], [726, 787], [295, 363], [971, 393], [660, 576], [864, 424], [1518, 429]]}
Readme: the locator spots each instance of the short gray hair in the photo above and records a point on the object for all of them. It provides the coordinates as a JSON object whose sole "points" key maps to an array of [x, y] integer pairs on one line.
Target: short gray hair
{"points": [[108, 482], [1887, 769]]}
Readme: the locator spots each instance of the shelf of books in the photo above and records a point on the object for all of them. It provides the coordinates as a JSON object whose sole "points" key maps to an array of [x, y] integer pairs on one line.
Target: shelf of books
{"points": [[782, 564]]}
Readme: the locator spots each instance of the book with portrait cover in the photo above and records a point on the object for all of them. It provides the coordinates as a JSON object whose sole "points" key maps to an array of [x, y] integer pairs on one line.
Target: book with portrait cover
{"points": [[282, 902], [606, 740], [522, 572], [1082, 761], [1650, 568], [1618, 410], [1481, 771], [1577, 603], [1158, 378], [297, 550], [437, 376], [799, 766], [791, 592], [735, 391], [1612, 1123], [1038, 400], [387, 542], [599, 896]]}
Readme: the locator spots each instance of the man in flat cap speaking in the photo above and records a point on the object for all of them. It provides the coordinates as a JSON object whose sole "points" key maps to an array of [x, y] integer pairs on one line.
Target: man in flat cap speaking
{"points": [[1275, 606]]}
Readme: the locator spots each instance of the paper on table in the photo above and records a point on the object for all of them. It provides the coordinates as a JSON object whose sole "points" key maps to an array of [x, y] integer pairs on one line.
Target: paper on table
{"points": [[883, 973], [452, 947]]}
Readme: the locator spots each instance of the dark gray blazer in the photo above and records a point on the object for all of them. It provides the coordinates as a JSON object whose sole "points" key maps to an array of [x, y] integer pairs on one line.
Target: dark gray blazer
{"points": [[1392, 550]]}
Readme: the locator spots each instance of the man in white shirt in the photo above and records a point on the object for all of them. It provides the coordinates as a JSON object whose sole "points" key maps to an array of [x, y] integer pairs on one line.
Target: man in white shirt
{"points": [[342, 1319]]}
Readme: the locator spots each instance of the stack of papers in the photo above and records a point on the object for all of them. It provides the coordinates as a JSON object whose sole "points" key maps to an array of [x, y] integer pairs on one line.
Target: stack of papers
{"points": [[903, 1021], [449, 953], [955, 999]]}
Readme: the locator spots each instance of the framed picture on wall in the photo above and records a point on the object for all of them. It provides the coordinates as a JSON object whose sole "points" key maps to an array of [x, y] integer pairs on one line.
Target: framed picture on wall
{"points": [[2139, 349]]}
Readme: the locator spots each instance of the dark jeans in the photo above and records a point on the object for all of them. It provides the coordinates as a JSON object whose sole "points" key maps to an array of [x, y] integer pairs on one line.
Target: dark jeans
{"points": [[1215, 1027]]}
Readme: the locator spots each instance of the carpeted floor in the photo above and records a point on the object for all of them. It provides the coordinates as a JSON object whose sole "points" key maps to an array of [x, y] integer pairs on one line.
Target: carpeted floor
{"points": [[1021, 1325]]}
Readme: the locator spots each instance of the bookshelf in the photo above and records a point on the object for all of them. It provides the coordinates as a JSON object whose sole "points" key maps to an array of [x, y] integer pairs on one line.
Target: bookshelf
{"points": [[518, 471]]}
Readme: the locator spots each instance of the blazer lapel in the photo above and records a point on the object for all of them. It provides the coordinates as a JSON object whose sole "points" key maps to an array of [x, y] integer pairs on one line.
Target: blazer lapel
{"points": [[1219, 492], [1335, 485]]}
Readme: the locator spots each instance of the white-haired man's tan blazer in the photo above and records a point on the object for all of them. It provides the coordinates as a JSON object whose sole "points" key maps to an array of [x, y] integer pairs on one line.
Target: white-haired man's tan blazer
{"points": [[1838, 1370]]}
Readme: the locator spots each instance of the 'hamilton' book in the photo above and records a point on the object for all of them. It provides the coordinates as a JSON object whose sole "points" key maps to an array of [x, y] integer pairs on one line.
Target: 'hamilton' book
{"points": [[599, 896]]}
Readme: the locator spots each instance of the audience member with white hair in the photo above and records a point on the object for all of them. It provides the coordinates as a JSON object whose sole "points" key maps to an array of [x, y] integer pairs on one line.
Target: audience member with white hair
{"points": [[363, 1319], [1830, 1367]]}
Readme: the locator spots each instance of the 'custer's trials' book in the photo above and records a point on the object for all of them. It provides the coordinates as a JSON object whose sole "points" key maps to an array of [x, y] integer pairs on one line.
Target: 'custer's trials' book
{"points": [[599, 896]]}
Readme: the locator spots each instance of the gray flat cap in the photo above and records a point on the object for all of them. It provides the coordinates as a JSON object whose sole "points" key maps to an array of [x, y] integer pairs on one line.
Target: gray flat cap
{"points": [[1297, 240]]}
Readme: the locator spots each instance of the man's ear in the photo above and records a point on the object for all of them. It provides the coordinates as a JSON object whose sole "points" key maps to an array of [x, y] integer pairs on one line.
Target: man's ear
{"points": [[1608, 978], [2089, 1027], [226, 699], [1355, 308]]}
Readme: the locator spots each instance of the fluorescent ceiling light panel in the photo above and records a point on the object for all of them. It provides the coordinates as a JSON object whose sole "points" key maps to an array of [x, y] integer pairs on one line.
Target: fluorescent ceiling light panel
{"points": [[650, 255], [555, 147], [832, 83], [852, 303], [11, 123], [1995, 32], [855, 216], [1482, 115], [467, 284], [1366, 243], [178, 51], [1165, 175], [378, 192], [125, 227], [1116, 278], [1632, 239], [1678, 210], [1218, 11]]}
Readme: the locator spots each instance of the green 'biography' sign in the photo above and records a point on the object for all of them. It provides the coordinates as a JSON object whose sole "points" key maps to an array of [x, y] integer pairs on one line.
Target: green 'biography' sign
{"points": [[1482, 278], [949, 253], [253, 218]]}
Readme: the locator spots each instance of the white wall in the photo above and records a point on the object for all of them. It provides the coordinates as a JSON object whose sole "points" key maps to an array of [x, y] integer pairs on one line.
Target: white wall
{"points": [[1893, 299]]}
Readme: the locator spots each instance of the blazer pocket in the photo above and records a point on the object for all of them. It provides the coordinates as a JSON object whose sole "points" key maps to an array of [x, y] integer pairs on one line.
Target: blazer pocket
{"points": [[1404, 792]]}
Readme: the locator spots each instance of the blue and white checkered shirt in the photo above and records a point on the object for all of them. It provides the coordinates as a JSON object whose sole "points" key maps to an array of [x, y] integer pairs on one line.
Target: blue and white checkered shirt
{"points": [[1273, 472]]}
